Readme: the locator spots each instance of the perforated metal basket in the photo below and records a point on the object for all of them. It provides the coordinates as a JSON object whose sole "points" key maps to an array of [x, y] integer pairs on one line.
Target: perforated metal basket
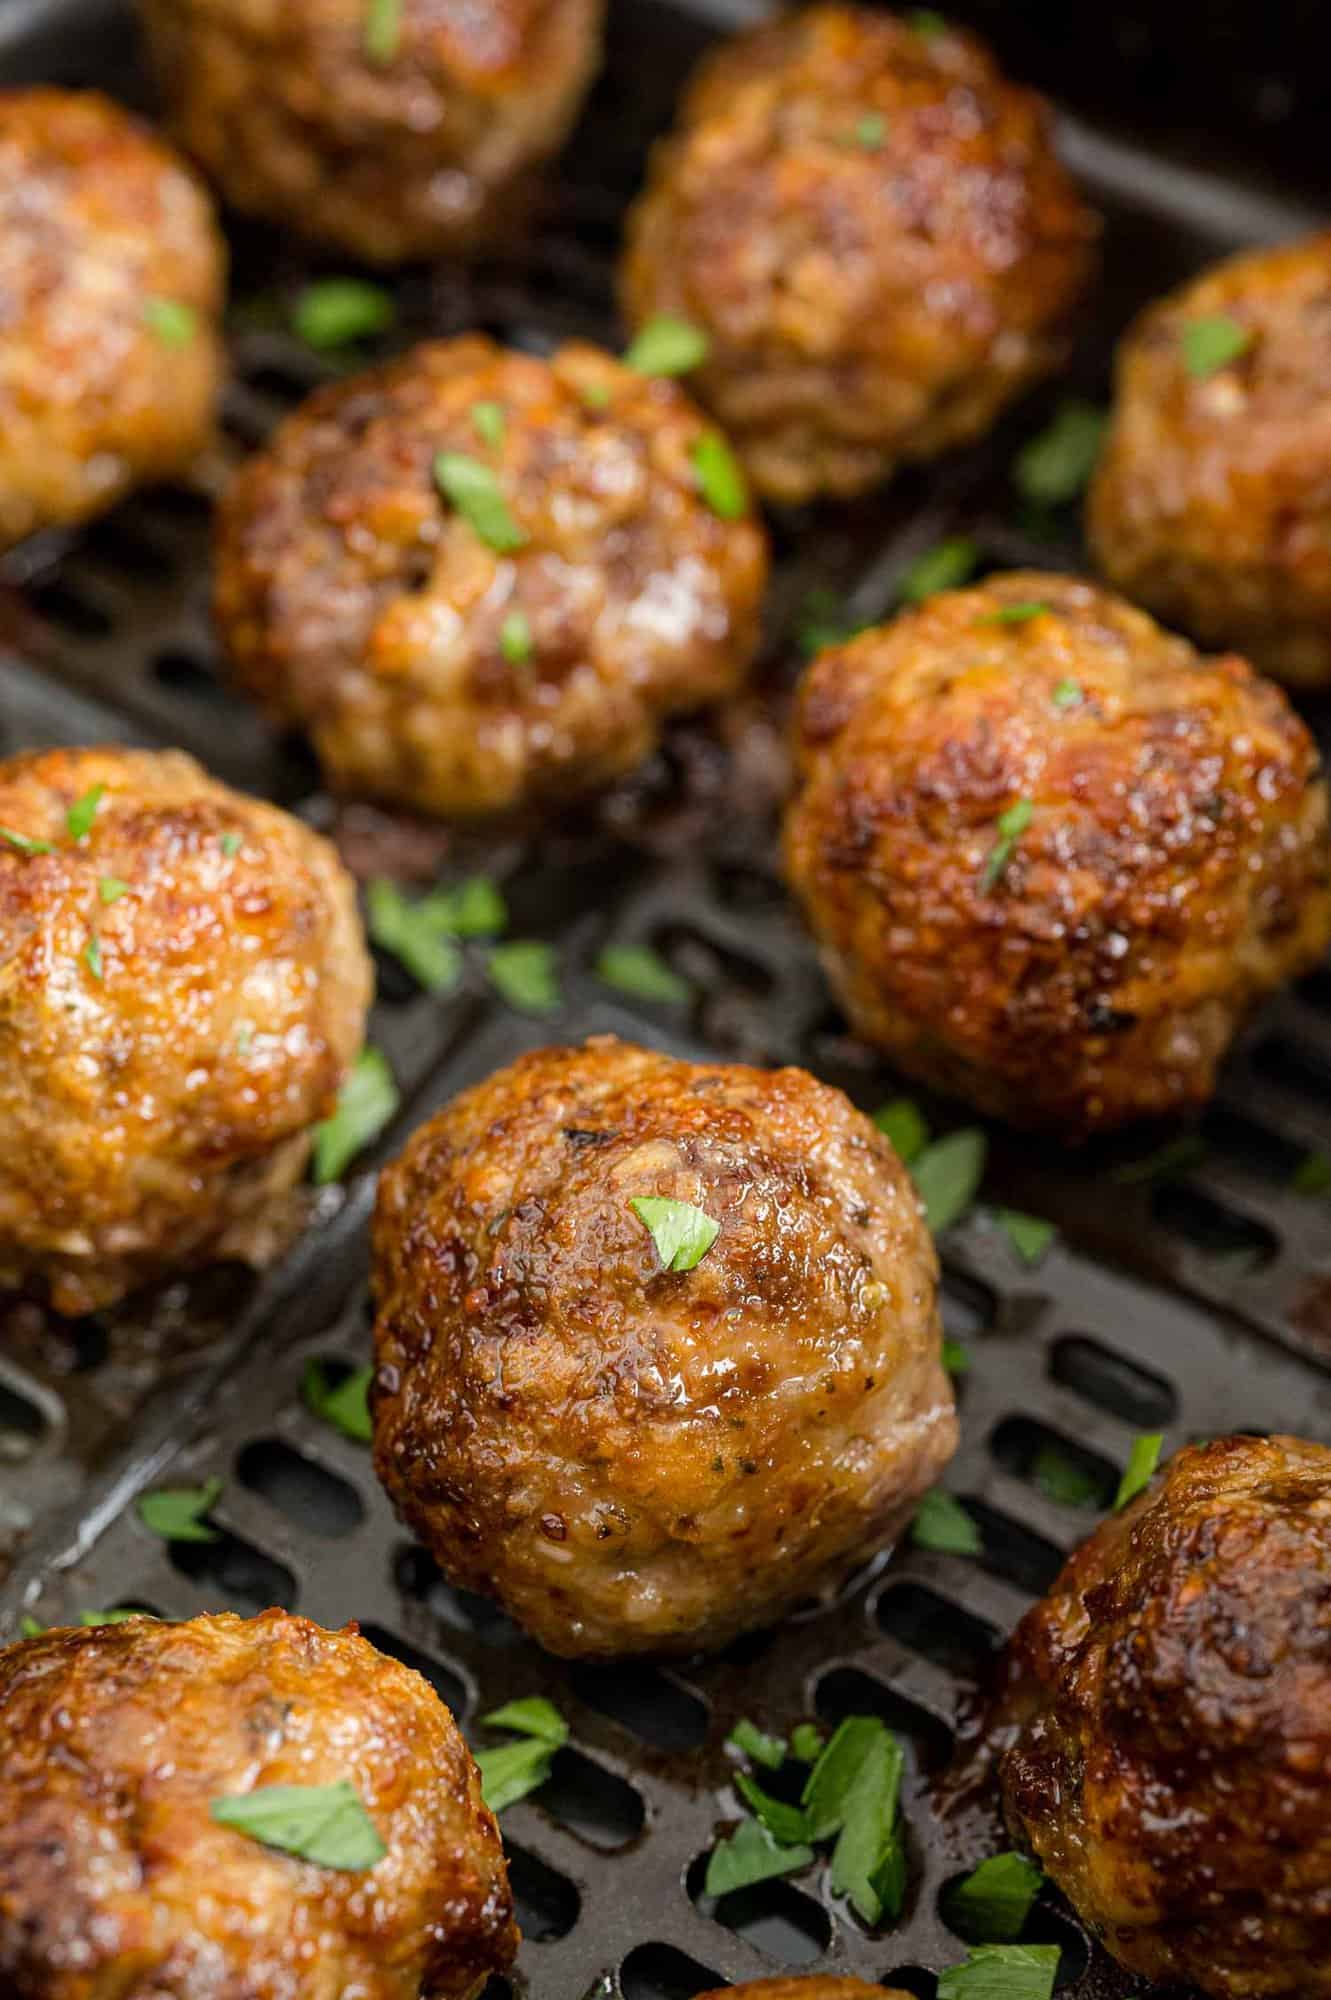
{"points": [[1192, 1301]]}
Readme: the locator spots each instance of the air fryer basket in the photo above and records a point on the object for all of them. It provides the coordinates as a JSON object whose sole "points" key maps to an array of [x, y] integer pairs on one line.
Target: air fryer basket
{"points": [[1193, 1302]]}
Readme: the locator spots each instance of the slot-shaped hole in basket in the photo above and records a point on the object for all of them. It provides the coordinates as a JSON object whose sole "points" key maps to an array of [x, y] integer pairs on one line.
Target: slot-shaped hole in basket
{"points": [[22, 1423], [939, 1630], [1065, 1472], [777, 1916], [546, 1902], [447, 1684], [249, 1580], [1113, 1383], [187, 674], [646, 1702], [844, 1691], [307, 1493], [1012, 1550], [592, 1802], [418, 1576], [1234, 1243], [61, 602], [659, 1972], [1303, 1072]]}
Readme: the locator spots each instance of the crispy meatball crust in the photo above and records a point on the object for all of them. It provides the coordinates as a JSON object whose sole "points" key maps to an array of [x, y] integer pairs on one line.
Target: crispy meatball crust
{"points": [[1212, 501], [100, 224], [634, 1460], [1171, 1767], [872, 227], [115, 1882], [1175, 866], [417, 154], [157, 1088], [355, 603]]}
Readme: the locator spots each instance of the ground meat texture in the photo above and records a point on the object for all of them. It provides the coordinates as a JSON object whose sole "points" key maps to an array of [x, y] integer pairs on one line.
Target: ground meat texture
{"points": [[394, 131], [1051, 854], [632, 1459], [112, 275], [1169, 1710], [182, 990], [1212, 501], [436, 670], [117, 1884], [872, 227]]}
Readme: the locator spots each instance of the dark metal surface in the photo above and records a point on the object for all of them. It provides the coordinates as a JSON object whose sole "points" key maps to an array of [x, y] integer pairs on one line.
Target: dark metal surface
{"points": [[1194, 1303]]}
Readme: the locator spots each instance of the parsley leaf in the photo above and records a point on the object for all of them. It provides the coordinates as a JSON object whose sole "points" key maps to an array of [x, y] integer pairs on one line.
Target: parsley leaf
{"points": [[1015, 614], [174, 323], [1068, 694], [525, 975], [786, 1823], [413, 934], [365, 1104], [345, 1406], [926, 22], [822, 622], [176, 1513], [515, 638], [1211, 344], [992, 1904], [942, 1524], [92, 956], [1029, 1235], [23, 843], [769, 1751], [956, 1357], [682, 1233], [642, 973], [666, 345], [751, 1855], [230, 845], [829, 1783], [489, 422], [869, 132], [806, 1743], [509, 1771], [1176, 1157], [1002, 1972], [325, 1824], [1066, 1480], [476, 493], [1142, 1462], [943, 568], [79, 818], [720, 480], [337, 311], [472, 908], [904, 1124], [1312, 1175], [110, 888], [868, 1863], [1011, 825], [1055, 466], [947, 1176], [532, 1716], [383, 30]]}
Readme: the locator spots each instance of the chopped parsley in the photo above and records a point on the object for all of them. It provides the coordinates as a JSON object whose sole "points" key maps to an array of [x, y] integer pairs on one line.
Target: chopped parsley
{"points": [[1066, 1480], [525, 974], [177, 1513], [947, 1176], [666, 345], [1015, 614], [79, 818], [383, 30], [769, 1751], [1068, 694], [1029, 1235], [335, 312], [230, 845], [510, 1771], [682, 1233], [1055, 466], [870, 132], [904, 1124], [345, 1405], [750, 1855], [1212, 344], [806, 1743], [992, 1904], [720, 480], [942, 1524], [92, 956], [489, 422], [641, 973], [110, 888], [365, 1104], [474, 490], [956, 1357], [515, 638], [23, 843], [174, 323], [412, 932], [1011, 825], [325, 1824], [944, 567], [1142, 1462], [1002, 1972]]}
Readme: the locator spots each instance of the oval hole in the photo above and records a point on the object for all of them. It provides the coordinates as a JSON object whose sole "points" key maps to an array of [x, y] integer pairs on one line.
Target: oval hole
{"points": [[967, 1307], [659, 1972], [592, 1802], [644, 1701], [447, 1684], [308, 1494], [913, 1979], [1285, 1063], [1235, 1241], [1253, 1148], [63, 603], [846, 1691], [21, 1424], [1065, 1472], [250, 1580], [1012, 1550], [778, 1918], [418, 1576], [953, 1639], [1109, 1380], [182, 673], [547, 1903]]}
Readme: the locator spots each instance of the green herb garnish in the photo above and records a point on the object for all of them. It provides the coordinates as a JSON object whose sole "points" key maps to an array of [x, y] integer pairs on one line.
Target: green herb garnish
{"points": [[868, 1861], [667, 345], [176, 1513], [1029, 1235], [1015, 614], [1142, 1462], [325, 1824], [904, 1124], [365, 1104], [870, 132], [640, 972], [769, 1751], [110, 888], [720, 480], [1002, 1972], [92, 956], [1211, 344], [822, 623], [1068, 694], [525, 974], [383, 30], [806, 1743], [172, 321], [1176, 1157], [751, 1855], [489, 422], [79, 818], [337, 311], [927, 23], [956, 1357], [1056, 466], [510, 1771], [472, 908], [515, 638], [1065, 1480], [1011, 825], [942, 1524], [474, 490], [1312, 1175], [947, 1176], [23, 843], [230, 845], [945, 567], [413, 934], [993, 1903], [346, 1405], [682, 1233]]}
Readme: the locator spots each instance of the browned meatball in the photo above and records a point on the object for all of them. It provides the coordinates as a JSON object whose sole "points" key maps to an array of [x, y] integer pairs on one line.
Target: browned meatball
{"points": [[465, 666], [1171, 1698], [1212, 501], [112, 275], [184, 986], [634, 1458], [396, 128], [116, 1881], [871, 226], [1052, 855]]}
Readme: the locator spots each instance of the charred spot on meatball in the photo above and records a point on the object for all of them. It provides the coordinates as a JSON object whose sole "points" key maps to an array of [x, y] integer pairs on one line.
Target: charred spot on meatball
{"points": [[1168, 1724], [483, 581], [185, 986], [1052, 855], [872, 228], [651, 1394], [395, 132], [1212, 501], [117, 1878], [114, 278]]}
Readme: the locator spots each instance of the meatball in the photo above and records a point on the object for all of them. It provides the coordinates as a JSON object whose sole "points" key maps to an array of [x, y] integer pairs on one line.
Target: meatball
{"points": [[1212, 501], [116, 1881], [1051, 854], [394, 128], [184, 987], [112, 276], [634, 1452], [871, 226], [1170, 1700], [517, 638]]}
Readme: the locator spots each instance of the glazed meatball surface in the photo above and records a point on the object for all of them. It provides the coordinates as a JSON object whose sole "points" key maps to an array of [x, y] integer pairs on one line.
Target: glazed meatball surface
{"points": [[112, 276], [1212, 501], [185, 985], [1171, 1697], [436, 669], [633, 1459], [117, 1884], [1051, 854], [872, 227], [395, 132]]}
